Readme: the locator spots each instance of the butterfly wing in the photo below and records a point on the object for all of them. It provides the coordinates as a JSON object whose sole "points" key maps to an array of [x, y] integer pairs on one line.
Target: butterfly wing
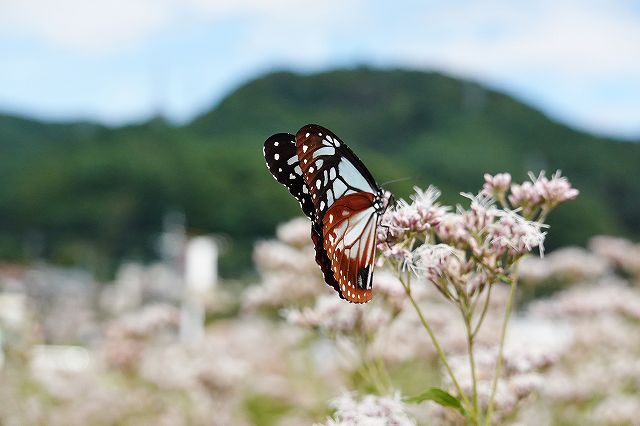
{"points": [[346, 200], [282, 161], [339, 195], [350, 230], [330, 169], [322, 259]]}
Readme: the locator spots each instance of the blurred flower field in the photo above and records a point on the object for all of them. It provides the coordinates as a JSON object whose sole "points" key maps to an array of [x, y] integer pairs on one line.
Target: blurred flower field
{"points": [[287, 351]]}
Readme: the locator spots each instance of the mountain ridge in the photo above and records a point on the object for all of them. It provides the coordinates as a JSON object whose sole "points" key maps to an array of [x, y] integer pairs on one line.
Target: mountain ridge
{"points": [[93, 192]]}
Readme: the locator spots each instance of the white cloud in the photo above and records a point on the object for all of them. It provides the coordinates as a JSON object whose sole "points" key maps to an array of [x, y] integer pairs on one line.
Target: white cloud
{"points": [[571, 36], [88, 26], [576, 46], [101, 26]]}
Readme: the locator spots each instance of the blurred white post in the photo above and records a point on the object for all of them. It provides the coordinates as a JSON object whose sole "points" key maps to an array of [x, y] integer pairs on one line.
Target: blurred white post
{"points": [[201, 275]]}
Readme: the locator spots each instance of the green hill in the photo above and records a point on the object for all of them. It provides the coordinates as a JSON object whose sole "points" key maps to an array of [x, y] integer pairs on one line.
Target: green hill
{"points": [[84, 193]]}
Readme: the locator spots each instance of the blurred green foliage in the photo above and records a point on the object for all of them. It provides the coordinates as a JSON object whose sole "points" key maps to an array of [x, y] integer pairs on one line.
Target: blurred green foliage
{"points": [[85, 194]]}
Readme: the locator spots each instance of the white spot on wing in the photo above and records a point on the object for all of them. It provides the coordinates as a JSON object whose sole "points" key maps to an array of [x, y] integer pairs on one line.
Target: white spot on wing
{"points": [[276, 156]]}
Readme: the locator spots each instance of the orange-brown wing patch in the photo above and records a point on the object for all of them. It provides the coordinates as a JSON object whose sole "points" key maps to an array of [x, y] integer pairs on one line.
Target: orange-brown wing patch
{"points": [[349, 229]]}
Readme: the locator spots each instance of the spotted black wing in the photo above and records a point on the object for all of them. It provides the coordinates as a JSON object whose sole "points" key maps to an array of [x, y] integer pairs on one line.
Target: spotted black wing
{"points": [[282, 161]]}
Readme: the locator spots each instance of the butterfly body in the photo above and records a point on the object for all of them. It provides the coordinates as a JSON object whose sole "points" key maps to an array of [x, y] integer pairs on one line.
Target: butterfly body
{"points": [[340, 197]]}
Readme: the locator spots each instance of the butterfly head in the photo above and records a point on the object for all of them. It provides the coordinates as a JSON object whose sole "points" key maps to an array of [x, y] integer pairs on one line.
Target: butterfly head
{"points": [[385, 199]]}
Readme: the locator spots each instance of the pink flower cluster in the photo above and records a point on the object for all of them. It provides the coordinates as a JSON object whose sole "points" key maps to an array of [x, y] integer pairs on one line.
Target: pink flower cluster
{"points": [[333, 316], [541, 193], [496, 186], [460, 250], [419, 216]]}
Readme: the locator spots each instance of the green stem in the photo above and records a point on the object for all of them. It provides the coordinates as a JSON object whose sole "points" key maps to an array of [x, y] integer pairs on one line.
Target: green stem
{"points": [[441, 354], [383, 373], [381, 388], [366, 366], [505, 322], [472, 364], [485, 308]]}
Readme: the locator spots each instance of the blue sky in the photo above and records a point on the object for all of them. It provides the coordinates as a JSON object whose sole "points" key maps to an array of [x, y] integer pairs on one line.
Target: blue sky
{"points": [[119, 61]]}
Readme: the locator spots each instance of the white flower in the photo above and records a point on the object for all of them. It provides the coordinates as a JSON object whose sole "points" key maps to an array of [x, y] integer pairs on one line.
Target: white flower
{"points": [[425, 200], [526, 194], [332, 315], [430, 260], [517, 233], [451, 229], [608, 297], [481, 213], [496, 186], [296, 232], [421, 215], [622, 253], [567, 265], [554, 191], [618, 410], [370, 411]]}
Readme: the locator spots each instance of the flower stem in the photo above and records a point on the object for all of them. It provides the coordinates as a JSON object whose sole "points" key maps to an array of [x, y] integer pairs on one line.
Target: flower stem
{"points": [[441, 353], [375, 378], [384, 374], [368, 369], [484, 311], [472, 364], [505, 322]]}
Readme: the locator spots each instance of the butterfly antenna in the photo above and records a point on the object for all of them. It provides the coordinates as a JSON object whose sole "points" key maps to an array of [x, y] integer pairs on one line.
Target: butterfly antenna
{"points": [[382, 185]]}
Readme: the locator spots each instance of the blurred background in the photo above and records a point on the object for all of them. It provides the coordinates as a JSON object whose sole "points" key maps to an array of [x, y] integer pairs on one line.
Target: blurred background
{"points": [[131, 166]]}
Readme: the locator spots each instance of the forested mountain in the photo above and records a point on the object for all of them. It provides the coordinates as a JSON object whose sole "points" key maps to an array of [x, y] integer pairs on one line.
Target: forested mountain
{"points": [[84, 193]]}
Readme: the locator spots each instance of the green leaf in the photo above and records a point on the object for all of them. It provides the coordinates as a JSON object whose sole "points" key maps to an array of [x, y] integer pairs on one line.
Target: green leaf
{"points": [[439, 396]]}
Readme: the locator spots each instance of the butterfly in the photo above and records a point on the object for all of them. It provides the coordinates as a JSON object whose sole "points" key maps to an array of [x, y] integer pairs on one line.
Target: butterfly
{"points": [[340, 197]]}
